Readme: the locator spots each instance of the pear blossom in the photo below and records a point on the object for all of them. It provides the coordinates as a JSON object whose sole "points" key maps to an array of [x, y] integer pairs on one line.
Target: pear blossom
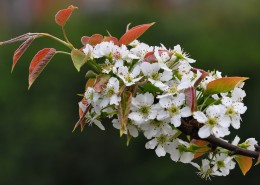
{"points": [[110, 93], [223, 164], [143, 108], [129, 78], [154, 76], [215, 121], [178, 151], [160, 142], [155, 127], [173, 110], [130, 128]]}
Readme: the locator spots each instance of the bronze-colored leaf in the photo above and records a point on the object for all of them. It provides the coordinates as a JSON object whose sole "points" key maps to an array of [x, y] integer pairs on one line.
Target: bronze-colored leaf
{"points": [[134, 33], [20, 51], [63, 15], [39, 62], [223, 85]]}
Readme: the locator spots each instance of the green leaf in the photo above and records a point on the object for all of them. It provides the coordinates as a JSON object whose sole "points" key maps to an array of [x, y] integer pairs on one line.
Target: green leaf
{"points": [[148, 87], [223, 85], [244, 162], [78, 58]]}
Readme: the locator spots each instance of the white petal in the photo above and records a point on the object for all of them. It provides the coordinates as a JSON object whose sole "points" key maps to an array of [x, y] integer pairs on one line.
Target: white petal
{"points": [[98, 123], [163, 115], [132, 130], [236, 141], [185, 112], [235, 121], [186, 157], [165, 102], [204, 131], [224, 121], [175, 155], [150, 133], [200, 117], [136, 116], [160, 151], [226, 101], [176, 120], [166, 76], [151, 144], [114, 100], [116, 124], [136, 71], [239, 107]]}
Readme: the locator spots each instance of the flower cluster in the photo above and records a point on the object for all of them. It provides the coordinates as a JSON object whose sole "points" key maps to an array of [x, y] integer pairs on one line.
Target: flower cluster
{"points": [[145, 89], [182, 111]]}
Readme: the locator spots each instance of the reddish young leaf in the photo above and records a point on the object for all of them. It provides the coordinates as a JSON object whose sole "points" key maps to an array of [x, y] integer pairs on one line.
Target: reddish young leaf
{"points": [[16, 39], [110, 38], [84, 40], [95, 39], [245, 163], [134, 33], [90, 83], [200, 151], [190, 96], [82, 118], [223, 85], [20, 51], [124, 109], [39, 62], [203, 75], [101, 82], [149, 57], [63, 15]]}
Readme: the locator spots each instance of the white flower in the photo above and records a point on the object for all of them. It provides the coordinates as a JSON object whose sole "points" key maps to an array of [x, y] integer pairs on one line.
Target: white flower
{"points": [[178, 151], [93, 118], [88, 50], [129, 78], [155, 127], [143, 108], [233, 110], [162, 59], [152, 72], [223, 164], [205, 170], [110, 93], [161, 142], [238, 95], [141, 49], [251, 142], [173, 109], [215, 121], [130, 128], [103, 49], [91, 95], [178, 53]]}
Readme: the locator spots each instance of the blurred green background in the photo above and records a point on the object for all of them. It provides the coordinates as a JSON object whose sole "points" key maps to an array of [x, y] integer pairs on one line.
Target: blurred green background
{"points": [[37, 145]]}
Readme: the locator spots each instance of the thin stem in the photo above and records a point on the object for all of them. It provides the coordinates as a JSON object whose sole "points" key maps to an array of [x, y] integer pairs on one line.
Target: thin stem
{"points": [[53, 37], [190, 127], [63, 52], [65, 36]]}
